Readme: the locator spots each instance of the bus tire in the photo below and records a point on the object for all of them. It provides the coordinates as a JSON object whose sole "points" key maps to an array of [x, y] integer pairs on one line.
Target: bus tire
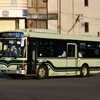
{"points": [[42, 72], [84, 71]]}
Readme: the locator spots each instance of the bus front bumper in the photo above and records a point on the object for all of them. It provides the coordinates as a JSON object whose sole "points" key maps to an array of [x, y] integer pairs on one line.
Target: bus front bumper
{"points": [[21, 72]]}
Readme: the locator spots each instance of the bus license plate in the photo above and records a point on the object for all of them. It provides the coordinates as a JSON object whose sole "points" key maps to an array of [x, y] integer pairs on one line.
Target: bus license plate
{"points": [[6, 71]]}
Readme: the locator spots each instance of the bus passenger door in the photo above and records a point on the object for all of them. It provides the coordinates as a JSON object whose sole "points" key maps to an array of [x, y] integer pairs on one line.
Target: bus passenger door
{"points": [[31, 56], [71, 58]]}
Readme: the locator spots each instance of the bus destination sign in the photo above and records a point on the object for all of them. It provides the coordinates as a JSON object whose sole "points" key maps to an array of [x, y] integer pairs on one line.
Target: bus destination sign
{"points": [[11, 35]]}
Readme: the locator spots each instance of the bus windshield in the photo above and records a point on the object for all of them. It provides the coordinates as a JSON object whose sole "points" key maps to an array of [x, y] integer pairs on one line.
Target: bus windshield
{"points": [[11, 48]]}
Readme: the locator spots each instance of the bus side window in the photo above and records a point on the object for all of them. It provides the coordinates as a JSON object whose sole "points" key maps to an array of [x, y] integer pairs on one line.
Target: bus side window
{"points": [[96, 51], [71, 50], [60, 48], [50, 51]]}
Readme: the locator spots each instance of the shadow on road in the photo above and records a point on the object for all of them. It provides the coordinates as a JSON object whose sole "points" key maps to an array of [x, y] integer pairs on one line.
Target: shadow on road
{"points": [[53, 77]]}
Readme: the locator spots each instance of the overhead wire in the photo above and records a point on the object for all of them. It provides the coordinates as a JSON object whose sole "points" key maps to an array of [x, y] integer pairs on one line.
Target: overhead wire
{"points": [[77, 19], [83, 15]]}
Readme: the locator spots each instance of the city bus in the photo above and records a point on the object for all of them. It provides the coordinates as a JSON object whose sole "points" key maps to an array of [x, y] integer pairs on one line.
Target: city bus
{"points": [[43, 53]]}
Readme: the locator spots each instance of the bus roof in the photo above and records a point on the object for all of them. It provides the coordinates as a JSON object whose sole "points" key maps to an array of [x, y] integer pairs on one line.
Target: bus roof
{"points": [[36, 30], [52, 34]]}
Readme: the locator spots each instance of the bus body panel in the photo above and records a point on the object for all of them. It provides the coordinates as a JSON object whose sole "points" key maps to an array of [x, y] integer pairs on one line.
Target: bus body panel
{"points": [[10, 66], [68, 67], [60, 66], [93, 64]]}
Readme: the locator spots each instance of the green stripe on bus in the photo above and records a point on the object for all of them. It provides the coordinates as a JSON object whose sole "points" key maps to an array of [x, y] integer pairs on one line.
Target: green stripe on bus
{"points": [[12, 62], [64, 69]]}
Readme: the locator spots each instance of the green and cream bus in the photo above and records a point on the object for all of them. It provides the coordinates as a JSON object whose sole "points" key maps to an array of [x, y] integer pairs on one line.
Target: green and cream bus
{"points": [[39, 52]]}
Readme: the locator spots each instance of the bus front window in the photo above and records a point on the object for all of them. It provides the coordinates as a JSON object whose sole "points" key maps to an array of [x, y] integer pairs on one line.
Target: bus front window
{"points": [[11, 48]]}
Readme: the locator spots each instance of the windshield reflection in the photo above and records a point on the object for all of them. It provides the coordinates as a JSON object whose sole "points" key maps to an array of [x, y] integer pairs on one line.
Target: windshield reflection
{"points": [[11, 48]]}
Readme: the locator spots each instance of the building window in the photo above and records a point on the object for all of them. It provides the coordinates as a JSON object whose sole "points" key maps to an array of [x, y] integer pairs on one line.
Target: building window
{"points": [[13, 1], [34, 3], [37, 24], [86, 27], [31, 3], [37, 3], [44, 0], [86, 2], [41, 3], [24, 12]]}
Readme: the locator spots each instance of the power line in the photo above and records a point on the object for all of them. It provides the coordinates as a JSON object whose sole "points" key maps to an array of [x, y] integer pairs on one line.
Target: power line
{"points": [[83, 16], [77, 19]]}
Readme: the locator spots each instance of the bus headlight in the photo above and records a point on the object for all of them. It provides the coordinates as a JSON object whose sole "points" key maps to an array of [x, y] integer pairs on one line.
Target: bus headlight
{"points": [[21, 67]]}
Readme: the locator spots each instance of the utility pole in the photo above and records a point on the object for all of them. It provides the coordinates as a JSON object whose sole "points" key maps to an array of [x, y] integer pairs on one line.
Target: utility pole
{"points": [[77, 20], [59, 16], [73, 14]]}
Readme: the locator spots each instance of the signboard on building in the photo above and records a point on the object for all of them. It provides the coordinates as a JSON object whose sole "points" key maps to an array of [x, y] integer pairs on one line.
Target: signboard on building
{"points": [[5, 13]]}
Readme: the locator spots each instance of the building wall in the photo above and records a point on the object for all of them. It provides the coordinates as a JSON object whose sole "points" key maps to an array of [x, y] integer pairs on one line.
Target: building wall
{"points": [[70, 10], [90, 14], [37, 14], [52, 12], [12, 12], [40, 13]]}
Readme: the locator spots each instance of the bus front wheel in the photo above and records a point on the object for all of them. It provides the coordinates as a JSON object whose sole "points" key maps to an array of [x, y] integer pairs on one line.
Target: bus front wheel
{"points": [[84, 71], [42, 72]]}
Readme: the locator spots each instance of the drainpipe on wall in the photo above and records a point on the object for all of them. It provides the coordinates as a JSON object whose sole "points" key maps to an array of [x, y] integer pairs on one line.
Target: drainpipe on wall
{"points": [[59, 16]]}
